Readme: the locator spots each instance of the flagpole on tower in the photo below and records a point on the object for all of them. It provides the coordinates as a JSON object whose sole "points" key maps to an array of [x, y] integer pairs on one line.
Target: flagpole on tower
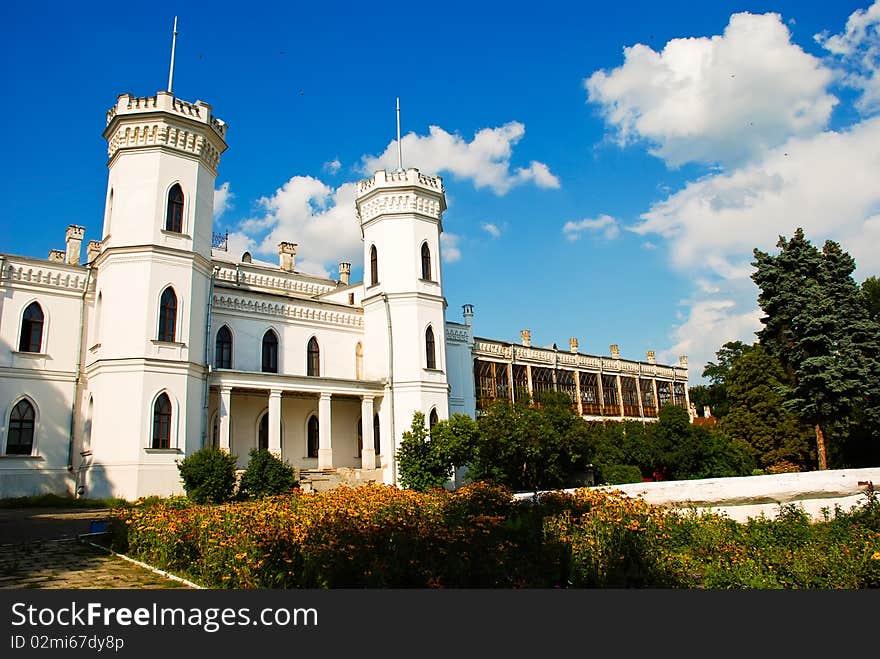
{"points": [[173, 44], [399, 149]]}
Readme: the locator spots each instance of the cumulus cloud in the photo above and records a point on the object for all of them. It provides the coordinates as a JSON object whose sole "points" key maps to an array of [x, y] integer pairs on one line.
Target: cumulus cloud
{"points": [[222, 200], [858, 49], [449, 247], [332, 166], [491, 229], [485, 160], [604, 223], [319, 218], [719, 100]]}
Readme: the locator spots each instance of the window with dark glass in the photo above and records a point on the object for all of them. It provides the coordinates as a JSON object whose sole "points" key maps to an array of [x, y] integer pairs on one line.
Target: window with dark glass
{"points": [[313, 437], [376, 443], [31, 338], [263, 433], [360, 437], [426, 262], [374, 266], [174, 215], [313, 365], [162, 422], [20, 439], [167, 315], [223, 348], [433, 419], [429, 348], [270, 352]]}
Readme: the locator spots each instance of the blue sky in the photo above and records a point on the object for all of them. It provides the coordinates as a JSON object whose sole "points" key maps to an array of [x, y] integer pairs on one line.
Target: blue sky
{"points": [[608, 168]]}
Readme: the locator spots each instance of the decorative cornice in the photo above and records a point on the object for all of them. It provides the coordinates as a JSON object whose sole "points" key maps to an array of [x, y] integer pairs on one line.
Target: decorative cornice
{"points": [[159, 133], [289, 310], [276, 282], [453, 334], [44, 274]]}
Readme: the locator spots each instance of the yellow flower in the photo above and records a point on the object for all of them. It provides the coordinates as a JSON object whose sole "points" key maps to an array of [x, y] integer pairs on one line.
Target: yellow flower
{"points": [[875, 556]]}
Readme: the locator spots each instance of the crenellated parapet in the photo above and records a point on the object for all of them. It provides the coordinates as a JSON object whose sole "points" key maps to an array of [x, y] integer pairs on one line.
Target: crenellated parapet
{"points": [[165, 121], [400, 192]]}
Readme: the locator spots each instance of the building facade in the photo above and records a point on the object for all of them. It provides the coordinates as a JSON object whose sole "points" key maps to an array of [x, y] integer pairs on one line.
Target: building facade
{"points": [[161, 342]]}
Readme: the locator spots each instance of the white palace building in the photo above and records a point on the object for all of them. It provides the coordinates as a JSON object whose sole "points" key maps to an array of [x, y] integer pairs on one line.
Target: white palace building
{"points": [[114, 368]]}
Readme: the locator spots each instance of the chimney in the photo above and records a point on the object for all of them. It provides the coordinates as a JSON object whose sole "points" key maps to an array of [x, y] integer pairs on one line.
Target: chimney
{"points": [[615, 351], [651, 358], [93, 249], [468, 313], [573, 344], [344, 272], [56, 255], [526, 337], [74, 238], [287, 256], [683, 361]]}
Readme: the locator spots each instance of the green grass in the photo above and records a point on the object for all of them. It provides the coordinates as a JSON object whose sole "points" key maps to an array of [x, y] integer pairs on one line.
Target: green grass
{"points": [[57, 501]]}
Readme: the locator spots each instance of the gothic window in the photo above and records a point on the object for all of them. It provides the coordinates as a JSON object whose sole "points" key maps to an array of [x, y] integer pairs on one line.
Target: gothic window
{"points": [[630, 396], [520, 383], [313, 437], [431, 360], [426, 262], [377, 444], [590, 403], [31, 329], [167, 314], [263, 433], [20, 440], [433, 419], [649, 405], [374, 266], [223, 348], [162, 422], [270, 352], [174, 215], [609, 396], [313, 366], [359, 361]]}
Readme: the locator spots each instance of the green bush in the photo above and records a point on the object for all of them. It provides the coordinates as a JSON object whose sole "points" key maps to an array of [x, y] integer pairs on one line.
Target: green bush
{"points": [[208, 475], [266, 475], [619, 474]]}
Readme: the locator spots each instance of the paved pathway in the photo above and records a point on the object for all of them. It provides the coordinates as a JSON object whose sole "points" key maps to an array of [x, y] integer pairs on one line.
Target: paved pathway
{"points": [[39, 549]]}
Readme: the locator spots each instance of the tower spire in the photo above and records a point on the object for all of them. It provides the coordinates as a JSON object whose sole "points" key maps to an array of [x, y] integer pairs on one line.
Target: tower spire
{"points": [[399, 148], [173, 44]]}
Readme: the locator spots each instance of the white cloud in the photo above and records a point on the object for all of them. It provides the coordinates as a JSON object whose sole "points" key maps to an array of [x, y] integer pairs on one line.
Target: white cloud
{"points": [[485, 160], [722, 99], [449, 247], [319, 218], [604, 223], [858, 48], [491, 229], [332, 166], [238, 243], [222, 200]]}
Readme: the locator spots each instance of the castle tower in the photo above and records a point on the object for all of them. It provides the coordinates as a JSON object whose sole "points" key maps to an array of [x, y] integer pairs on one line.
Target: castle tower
{"points": [[404, 307], [146, 367]]}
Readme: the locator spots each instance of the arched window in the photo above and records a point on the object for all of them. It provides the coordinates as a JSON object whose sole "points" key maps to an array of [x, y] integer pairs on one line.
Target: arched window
{"points": [[312, 443], [374, 266], [109, 217], [162, 422], [270, 352], [313, 365], [247, 258], [174, 216], [31, 329], [263, 433], [215, 431], [87, 426], [20, 439], [426, 262], [359, 361], [430, 354], [167, 314], [223, 348], [433, 419], [360, 438], [377, 444], [99, 306]]}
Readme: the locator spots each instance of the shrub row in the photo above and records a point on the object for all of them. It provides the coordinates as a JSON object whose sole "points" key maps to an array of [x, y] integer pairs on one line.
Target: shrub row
{"points": [[208, 476], [381, 536]]}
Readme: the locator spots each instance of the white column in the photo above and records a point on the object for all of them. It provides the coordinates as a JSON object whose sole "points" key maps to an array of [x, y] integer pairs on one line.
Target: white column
{"points": [[275, 422], [325, 451], [368, 451], [223, 416]]}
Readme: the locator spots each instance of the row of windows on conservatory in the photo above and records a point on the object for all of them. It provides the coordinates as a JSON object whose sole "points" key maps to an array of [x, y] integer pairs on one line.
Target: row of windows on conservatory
{"points": [[374, 264]]}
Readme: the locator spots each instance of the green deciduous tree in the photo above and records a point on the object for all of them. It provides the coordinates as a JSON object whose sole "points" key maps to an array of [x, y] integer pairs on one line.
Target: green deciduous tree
{"points": [[757, 415], [421, 465]]}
